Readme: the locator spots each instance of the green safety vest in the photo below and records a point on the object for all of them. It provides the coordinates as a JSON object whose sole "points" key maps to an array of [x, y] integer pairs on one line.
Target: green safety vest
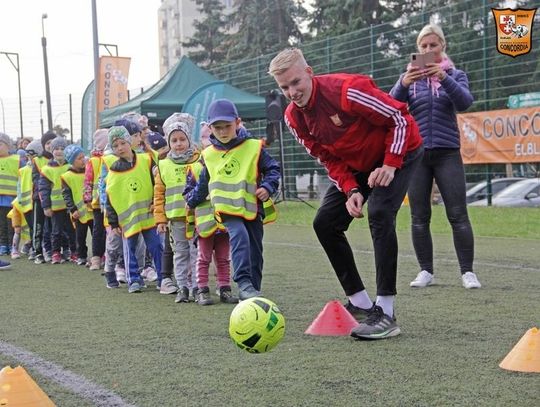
{"points": [[233, 180], [174, 177], [96, 169], [24, 193], [109, 160], [54, 174], [9, 174], [75, 181], [40, 162], [131, 195]]}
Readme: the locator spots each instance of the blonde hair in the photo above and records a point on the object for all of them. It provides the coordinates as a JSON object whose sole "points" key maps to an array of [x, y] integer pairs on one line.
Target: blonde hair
{"points": [[285, 59], [432, 29]]}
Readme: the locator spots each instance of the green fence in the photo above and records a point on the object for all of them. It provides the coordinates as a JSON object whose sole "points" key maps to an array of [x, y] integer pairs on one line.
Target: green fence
{"points": [[382, 51]]}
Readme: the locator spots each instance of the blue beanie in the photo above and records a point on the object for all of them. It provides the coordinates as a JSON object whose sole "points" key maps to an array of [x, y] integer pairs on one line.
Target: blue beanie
{"points": [[72, 152], [131, 126]]}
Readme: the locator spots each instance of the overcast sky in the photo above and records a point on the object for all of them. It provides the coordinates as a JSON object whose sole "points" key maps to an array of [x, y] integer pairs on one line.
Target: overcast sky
{"points": [[132, 25]]}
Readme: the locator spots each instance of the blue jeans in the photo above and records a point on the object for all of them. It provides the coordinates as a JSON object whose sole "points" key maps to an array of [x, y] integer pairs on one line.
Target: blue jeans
{"points": [[446, 168], [154, 246], [246, 237]]}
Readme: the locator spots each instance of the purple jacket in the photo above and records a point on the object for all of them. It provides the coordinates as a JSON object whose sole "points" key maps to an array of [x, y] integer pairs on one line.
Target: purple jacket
{"points": [[436, 115]]}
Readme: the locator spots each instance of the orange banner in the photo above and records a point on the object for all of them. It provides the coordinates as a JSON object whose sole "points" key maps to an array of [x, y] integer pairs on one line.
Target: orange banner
{"points": [[112, 82], [500, 136]]}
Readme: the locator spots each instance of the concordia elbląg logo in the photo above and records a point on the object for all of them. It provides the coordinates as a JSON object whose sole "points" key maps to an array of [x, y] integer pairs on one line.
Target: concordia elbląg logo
{"points": [[514, 30]]}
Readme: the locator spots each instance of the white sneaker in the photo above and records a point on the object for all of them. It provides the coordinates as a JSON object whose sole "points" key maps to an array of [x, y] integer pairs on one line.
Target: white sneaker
{"points": [[149, 274], [120, 274], [470, 280], [167, 287], [423, 279]]}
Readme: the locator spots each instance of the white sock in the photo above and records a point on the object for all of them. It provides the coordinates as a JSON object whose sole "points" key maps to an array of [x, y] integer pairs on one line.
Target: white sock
{"points": [[386, 302], [361, 300]]}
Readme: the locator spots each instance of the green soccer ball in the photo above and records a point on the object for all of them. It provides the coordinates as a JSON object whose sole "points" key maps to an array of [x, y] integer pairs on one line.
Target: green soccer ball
{"points": [[256, 325]]}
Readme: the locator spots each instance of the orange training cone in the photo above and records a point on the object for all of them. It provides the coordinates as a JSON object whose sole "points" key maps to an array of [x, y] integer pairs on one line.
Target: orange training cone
{"points": [[333, 320], [525, 356], [17, 389]]}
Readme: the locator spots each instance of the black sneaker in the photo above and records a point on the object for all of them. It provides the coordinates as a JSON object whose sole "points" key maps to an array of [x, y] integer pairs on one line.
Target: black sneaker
{"points": [[204, 297], [360, 314], [183, 295], [378, 325], [226, 295], [40, 259]]}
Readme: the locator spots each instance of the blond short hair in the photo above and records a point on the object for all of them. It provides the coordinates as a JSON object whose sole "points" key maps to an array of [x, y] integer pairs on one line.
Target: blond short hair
{"points": [[285, 59], [431, 29]]}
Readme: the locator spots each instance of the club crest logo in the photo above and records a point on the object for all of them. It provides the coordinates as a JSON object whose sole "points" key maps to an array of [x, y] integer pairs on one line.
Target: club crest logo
{"points": [[514, 30]]}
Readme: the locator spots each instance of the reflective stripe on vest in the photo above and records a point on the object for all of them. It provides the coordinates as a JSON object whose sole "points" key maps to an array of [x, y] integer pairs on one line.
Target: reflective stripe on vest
{"points": [[96, 169], [174, 177], [24, 193], [53, 174], [131, 195], [233, 178], [9, 174], [75, 182]]}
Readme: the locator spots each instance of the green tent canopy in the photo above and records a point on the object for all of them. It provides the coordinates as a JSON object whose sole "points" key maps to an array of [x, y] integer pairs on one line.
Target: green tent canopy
{"points": [[171, 92]]}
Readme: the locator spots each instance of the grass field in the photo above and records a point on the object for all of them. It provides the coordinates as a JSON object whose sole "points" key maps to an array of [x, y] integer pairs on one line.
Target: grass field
{"points": [[152, 352]]}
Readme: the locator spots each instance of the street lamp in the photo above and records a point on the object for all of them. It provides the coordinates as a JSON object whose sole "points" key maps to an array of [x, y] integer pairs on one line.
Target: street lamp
{"points": [[41, 115], [46, 68], [17, 68]]}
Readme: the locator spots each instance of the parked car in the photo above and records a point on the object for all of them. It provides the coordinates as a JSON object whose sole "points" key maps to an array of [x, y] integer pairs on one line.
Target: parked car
{"points": [[479, 191], [524, 193]]}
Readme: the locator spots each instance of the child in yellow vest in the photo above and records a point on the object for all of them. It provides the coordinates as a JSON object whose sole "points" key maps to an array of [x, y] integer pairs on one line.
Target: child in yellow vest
{"points": [[130, 188], [20, 228], [9, 171], [239, 175], [91, 198], [169, 205], [72, 191], [54, 207]]}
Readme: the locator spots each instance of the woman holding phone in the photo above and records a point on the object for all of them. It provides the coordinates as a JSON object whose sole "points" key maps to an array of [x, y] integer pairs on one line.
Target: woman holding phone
{"points": [[435, 92]]}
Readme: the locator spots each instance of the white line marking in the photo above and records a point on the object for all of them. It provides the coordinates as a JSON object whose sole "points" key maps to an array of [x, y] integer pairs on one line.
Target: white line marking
{"points": [[97, 395]]}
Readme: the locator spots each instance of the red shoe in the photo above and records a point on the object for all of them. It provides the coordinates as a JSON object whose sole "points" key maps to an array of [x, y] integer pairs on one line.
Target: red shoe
{"points": [[57, 258]]}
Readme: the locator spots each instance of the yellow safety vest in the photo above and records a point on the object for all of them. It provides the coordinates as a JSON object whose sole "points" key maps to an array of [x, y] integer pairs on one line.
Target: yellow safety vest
{"points": [[131, 195], [25, 230], [54, 174], [174, 177], [96, 169], [24, 193], [233, 180], [75, 181], [40, 162], [9, 174]]}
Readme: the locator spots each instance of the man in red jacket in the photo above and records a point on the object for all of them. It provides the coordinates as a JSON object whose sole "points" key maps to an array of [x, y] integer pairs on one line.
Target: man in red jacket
{"points": [[370, 146]]}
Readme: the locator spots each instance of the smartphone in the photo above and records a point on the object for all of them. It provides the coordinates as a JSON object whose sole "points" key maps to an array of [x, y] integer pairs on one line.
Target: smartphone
{"points": [[420, 60]]}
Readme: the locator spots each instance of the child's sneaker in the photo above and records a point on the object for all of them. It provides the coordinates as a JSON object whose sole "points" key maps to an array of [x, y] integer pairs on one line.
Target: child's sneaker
{"points": [[32, 255], [149, 274], [73, 258], [182, 296], [95, 263], [226, 296], [15, 254], [134, 287], [57, 258], [248, 292], [120, 274], [167, 287], [378, 325], [27, 248], [193, 294], [470, 280], [39, 259], [4, 265], [4, 250], [204, 297], [48, 257], [81, 261], [113, 285]]}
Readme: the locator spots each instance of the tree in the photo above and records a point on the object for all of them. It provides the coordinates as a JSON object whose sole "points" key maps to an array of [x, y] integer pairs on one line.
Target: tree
{"points": [[210, 37], [263, 26]]}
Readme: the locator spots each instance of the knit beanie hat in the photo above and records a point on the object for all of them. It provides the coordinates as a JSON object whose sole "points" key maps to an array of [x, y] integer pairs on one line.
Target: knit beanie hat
{"points": [[72, 152], [156, 141], [50, 135], [34, 148], [118, 132], [100, 139], [131, 126], [4, 138], [179, 121], [58, 142]]}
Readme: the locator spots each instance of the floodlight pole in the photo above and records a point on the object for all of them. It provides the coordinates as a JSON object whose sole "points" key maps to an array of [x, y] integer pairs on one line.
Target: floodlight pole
{"points": [[17, 68], [96, 57], [46, 69]]}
